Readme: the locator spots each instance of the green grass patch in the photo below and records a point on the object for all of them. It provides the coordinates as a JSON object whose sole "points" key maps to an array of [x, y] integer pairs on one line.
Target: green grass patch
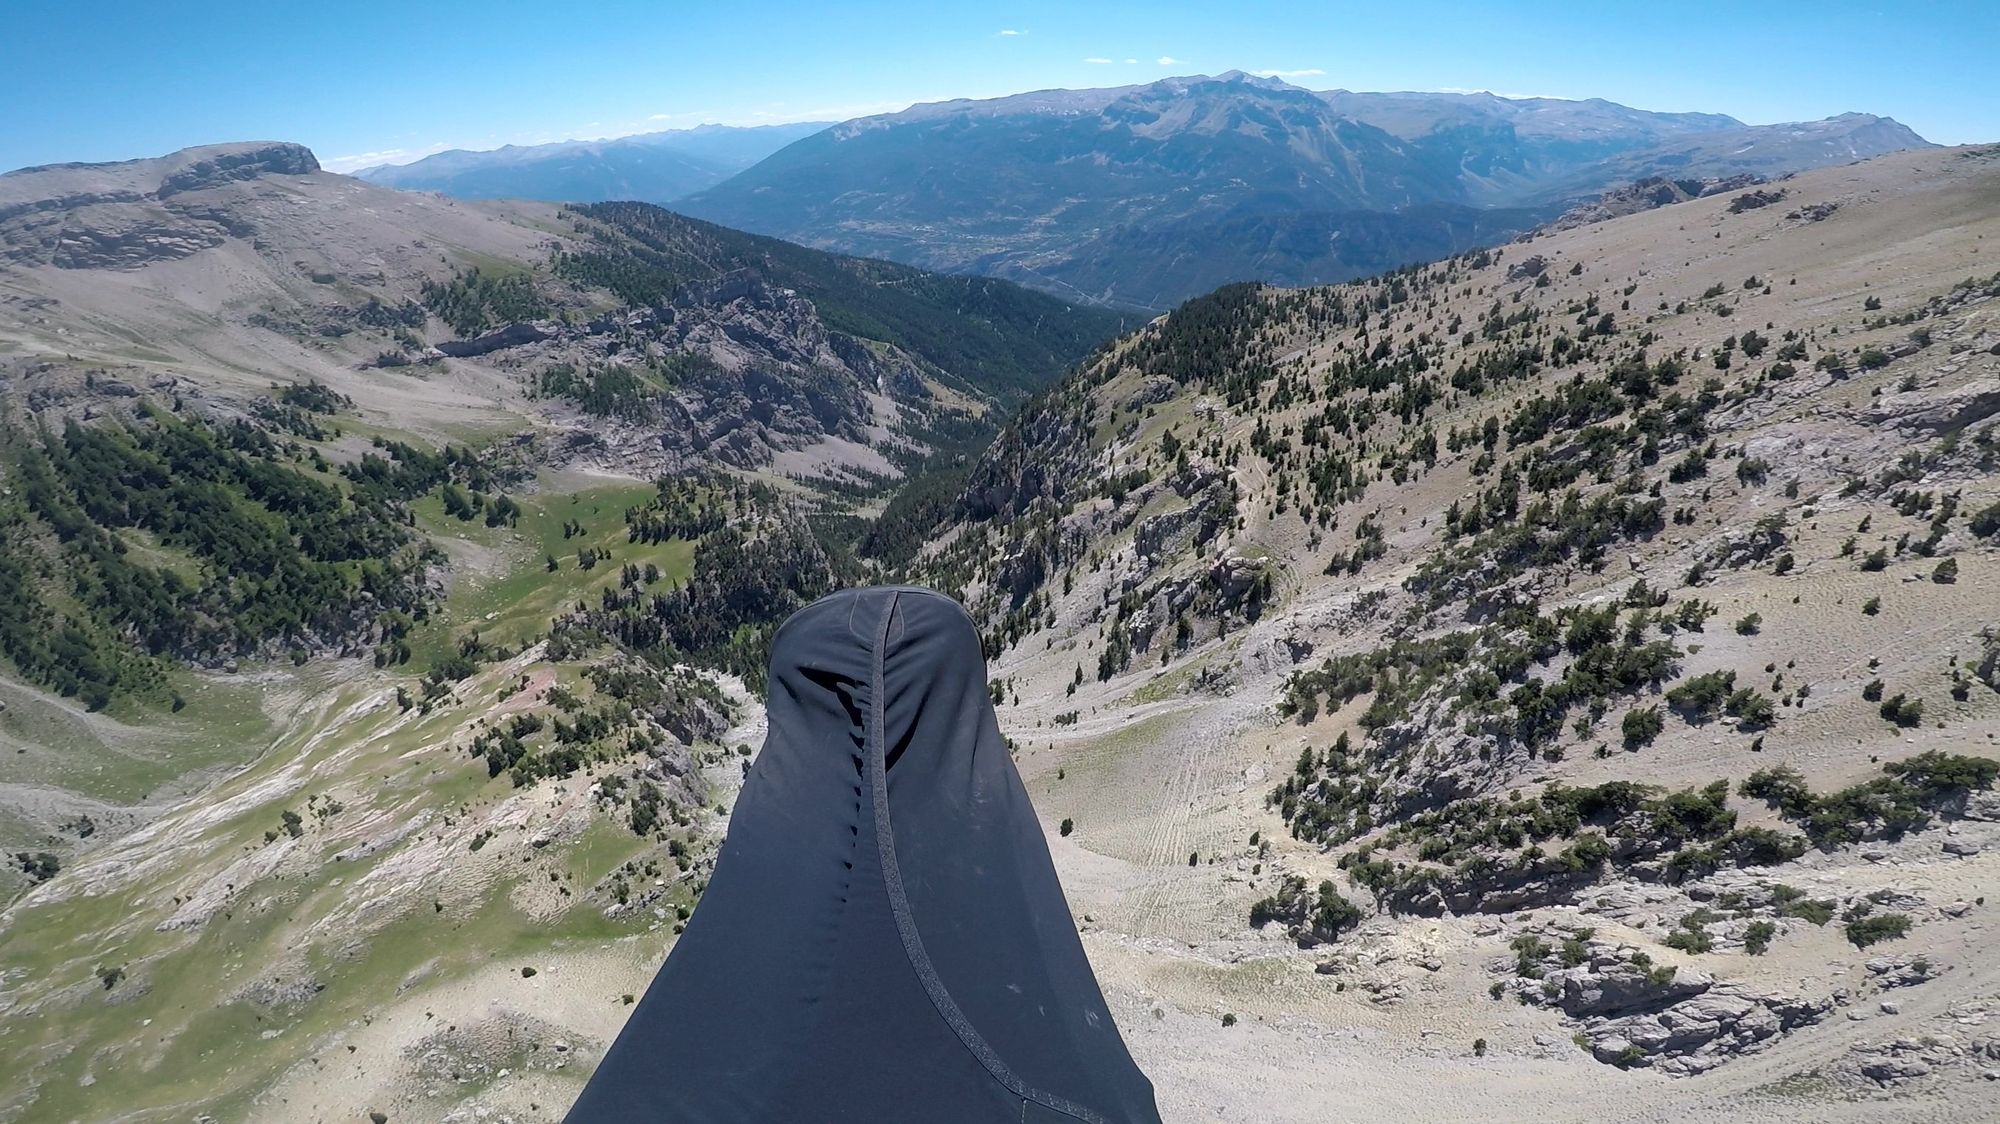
{"points": [[514, 604]]}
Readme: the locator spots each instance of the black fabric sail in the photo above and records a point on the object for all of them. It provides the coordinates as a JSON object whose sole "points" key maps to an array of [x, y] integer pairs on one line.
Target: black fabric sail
{"points": [[884, 938]]}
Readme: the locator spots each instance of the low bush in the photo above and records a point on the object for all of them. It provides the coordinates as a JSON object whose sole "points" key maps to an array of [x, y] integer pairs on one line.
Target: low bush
{"points": [[1865, 931]]}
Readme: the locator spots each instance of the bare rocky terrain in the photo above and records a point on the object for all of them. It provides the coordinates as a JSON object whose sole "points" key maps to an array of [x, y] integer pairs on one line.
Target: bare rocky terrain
{"points": [[1320, 620], [218, 273], [1289, 615]]}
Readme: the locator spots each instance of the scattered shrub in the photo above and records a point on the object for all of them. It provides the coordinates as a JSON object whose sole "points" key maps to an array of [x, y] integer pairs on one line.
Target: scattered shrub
{"points": [[1780, 786], [1905, 712], [1701, 697], [1641, 725], [1792, 902], [1692, 936], [1865, 931]]}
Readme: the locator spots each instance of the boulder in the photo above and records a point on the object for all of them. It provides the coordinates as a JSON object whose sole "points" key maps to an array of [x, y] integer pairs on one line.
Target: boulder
{"points": [[1984, 806], [1235, 576], [1701, 1032], [1902, 971], [1156, 389], [513, 335], [1938, 411], [1892, 1069], [1631, 1014], [1619, 987]]}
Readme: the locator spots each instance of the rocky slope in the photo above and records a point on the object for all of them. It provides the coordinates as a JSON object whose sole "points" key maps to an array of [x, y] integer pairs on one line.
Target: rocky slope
{"points": [[385, 581], [1138, 196], [217, 272], [1608, 609], [235, 314], [123, 216], [1547, 683]]}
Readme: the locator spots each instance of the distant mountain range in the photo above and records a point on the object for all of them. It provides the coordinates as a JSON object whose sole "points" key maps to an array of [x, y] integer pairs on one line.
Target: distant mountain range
{"points": [[1141, 196], [1144, 195], [650, 168]]}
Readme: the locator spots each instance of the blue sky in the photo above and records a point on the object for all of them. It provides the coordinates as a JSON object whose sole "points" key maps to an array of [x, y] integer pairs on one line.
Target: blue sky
{"points": [[362, 81]]}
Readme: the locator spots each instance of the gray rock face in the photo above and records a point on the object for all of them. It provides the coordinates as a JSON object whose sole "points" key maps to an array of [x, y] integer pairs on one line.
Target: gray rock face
{"points": [[1902, 971], [1900, 1061], [131, 214], [1633, 1013], [1989, 658], [1157, 388], [775, 383], [288, 988], [1891, 1069], [1702, 1032], [1611, 986], [214, 168], [513, 335], [501, 1042], [755, 372], [1235, 576], [1169, 533], [1983, 806], [1939, 411], [1649, 193]]}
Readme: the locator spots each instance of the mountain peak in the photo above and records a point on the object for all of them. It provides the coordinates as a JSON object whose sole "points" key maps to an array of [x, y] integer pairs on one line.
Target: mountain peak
{"points": [[283, 157], [1147, 194], [1261, 81], [188, 169], [651, 167]]}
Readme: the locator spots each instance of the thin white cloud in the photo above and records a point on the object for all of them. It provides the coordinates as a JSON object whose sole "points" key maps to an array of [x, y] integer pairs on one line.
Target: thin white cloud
{"points": [[1169, 60], [1009, 33], [1098, 62], [1309, 72], [1131, 62]]}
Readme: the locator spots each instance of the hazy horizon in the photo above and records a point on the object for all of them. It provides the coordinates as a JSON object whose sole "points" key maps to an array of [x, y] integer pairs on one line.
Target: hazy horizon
{"points": [[377, 89]]}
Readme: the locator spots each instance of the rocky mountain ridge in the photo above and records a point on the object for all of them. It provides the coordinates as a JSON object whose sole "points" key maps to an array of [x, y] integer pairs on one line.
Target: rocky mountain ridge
{"points": [[649, 167], [124, 216], [1094, 193], [1552, 675], [1567, 600], [318, 277], [386, 574]]}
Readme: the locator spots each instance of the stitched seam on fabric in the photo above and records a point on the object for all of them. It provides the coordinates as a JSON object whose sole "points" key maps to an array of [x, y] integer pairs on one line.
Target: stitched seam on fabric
{"points": [[899, 902]]}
